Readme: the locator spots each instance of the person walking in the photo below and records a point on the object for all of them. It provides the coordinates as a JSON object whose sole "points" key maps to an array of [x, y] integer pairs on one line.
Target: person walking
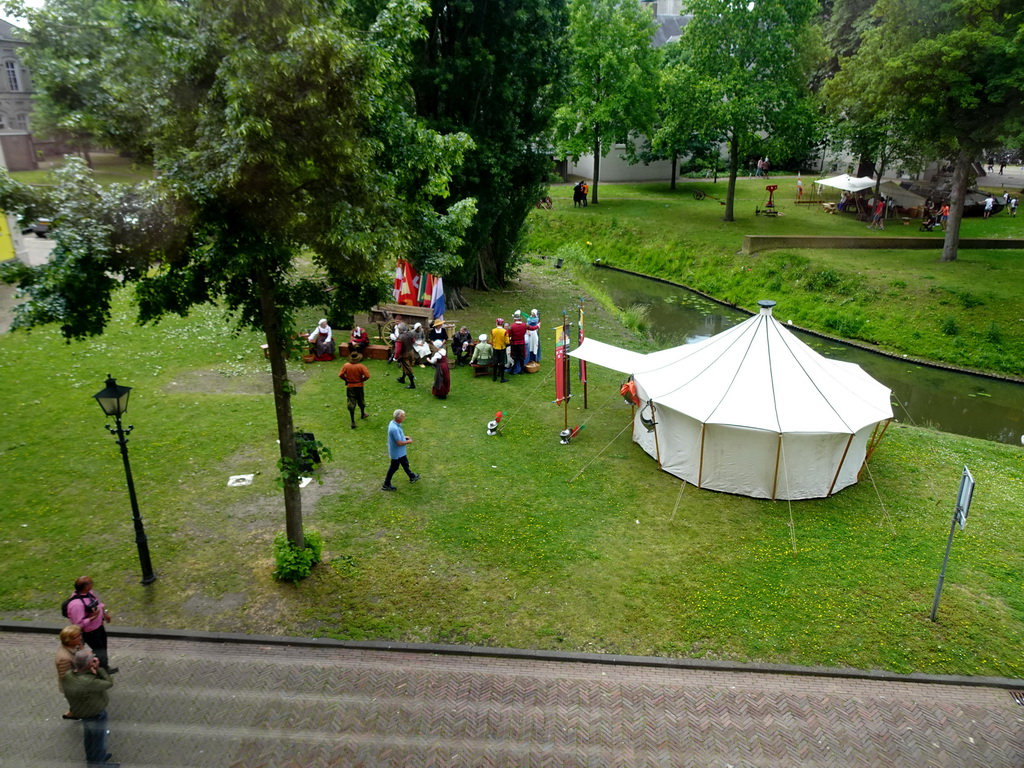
{"points": [[405, 353], [86, 688], [396, 451], [86, 611], [442, 374], [354, 373]]}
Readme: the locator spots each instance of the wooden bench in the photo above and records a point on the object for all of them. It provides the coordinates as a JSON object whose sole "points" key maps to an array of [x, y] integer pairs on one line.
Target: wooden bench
{"points": [[481, 370]]}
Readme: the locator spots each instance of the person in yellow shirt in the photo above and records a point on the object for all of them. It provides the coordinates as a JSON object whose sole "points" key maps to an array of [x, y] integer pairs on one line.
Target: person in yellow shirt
{"points": [[500, 341]]}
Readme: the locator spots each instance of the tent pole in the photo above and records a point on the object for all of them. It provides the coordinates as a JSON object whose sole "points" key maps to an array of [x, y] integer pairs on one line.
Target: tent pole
{"points": [[778, 455], [874, 444], [700, 469], [654, 421], [840, 467]]}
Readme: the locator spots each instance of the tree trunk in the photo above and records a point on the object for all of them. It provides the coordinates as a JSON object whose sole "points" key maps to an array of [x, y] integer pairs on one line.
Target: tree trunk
{"points": [[734, 164], [961, 170], [675, 163], [282, 407], [597, 162]]}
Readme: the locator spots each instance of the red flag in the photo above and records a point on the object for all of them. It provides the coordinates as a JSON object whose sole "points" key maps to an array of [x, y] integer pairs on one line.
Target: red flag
{"points": [[407, 290]]}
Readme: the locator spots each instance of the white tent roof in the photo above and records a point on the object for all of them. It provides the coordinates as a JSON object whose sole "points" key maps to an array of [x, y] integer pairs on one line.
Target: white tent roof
{"points": [[756, 375], [847, 182]]}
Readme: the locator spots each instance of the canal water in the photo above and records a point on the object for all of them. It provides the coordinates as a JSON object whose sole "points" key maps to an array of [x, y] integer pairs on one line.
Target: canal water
{"points": [[961, 403]]}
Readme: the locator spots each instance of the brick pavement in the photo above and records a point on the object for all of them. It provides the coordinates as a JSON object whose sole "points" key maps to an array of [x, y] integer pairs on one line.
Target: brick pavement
{"points": [[230, 705]]}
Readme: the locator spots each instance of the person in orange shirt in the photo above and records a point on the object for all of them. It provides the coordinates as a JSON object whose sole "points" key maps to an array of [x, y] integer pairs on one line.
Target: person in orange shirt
{"points": [[585, 188], [944, 214], [500, 341], [354, 374]]}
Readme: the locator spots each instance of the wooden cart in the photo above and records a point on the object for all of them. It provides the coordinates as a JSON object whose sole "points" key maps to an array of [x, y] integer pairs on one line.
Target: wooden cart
{"points": [[387, 316]]}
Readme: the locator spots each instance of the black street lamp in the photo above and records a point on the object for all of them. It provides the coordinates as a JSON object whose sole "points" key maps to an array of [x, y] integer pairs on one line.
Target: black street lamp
{"points": [[113, 399]]}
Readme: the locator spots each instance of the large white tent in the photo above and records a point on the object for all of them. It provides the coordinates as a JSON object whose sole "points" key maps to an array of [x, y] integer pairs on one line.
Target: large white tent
{"points": [[847, 183], [752, 410]]}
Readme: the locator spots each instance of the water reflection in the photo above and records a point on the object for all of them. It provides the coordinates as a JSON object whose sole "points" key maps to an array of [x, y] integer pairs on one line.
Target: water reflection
{"points": [[953, 402]]}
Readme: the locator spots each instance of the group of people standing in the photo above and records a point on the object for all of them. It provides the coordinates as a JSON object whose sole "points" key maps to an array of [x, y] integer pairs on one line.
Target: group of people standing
{"points": [[579, 194], [83, 669], [510, 347], [415, 347]]}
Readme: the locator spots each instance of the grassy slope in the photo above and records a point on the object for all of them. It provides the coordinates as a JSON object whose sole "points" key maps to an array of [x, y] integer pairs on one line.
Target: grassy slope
{"points": [[964, 312], [494, 546]]}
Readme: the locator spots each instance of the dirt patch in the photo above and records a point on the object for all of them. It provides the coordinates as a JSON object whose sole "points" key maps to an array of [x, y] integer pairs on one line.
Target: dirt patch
{"points": [[211, 607], [209, 381]]}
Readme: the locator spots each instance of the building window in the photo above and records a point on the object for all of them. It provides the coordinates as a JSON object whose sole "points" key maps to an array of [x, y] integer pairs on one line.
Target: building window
{"points": [[20, 123], [3, 122], [12, 76]]}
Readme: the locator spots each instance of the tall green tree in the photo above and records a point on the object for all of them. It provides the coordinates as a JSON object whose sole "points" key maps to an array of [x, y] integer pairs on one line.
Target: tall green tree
{"points": [[490, 70], [681, 127], [78, 95], [752, 60], [611, 85], [279, 131], [953, 71]]}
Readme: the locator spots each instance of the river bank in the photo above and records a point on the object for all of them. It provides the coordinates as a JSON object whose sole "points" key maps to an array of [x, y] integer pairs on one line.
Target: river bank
{"points": [[964, 313]]}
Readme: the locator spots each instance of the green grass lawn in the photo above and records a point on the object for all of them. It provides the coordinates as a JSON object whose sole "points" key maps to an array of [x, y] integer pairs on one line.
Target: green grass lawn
{"points": [[108, 168], [513, 540], [965, 312]]}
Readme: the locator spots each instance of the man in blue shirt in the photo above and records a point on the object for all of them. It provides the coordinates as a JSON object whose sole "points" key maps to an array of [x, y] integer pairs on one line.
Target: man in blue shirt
{"points": [[396, 451]]}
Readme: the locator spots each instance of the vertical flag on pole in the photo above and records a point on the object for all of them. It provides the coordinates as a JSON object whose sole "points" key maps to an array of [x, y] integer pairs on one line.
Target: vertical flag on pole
{"points": [[438, 304], [560, 382]]}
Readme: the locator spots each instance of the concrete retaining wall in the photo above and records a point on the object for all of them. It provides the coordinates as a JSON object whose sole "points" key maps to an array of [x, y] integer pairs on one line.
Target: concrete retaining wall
{"points": [[757, 243]]}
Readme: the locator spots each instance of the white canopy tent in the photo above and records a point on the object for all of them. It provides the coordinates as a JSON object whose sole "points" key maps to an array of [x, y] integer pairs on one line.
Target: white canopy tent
{"points": [[847, 183], [753, 411]]}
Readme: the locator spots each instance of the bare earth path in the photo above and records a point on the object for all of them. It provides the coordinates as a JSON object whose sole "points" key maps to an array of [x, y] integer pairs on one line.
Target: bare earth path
{"points": [[189, 703]]}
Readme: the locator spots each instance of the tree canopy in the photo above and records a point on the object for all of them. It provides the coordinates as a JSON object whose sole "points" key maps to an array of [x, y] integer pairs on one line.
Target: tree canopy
{"points": [[610, 88], [952, 71], [280, 130], [490, 70], [750, 64]]}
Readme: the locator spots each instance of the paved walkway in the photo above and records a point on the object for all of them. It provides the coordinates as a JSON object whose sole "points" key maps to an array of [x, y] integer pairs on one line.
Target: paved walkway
{"points": [[233, 705]]}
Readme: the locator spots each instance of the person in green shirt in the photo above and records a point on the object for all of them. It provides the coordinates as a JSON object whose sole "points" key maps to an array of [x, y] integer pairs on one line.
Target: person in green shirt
{"points": [[86, 688]]}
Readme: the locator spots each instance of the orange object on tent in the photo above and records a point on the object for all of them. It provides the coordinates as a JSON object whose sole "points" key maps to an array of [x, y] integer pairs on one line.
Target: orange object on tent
{"points": [[628, 391]]}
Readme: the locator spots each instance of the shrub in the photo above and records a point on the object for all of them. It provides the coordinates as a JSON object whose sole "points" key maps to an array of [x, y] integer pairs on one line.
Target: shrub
{"points": [[950, 326], [994, 334], [844, 323], [574, 253], [636, 317], [292, 563], [823, 280]]}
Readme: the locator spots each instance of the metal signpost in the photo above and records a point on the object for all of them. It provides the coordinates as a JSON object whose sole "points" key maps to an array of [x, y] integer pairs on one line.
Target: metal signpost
{"points": [[963, 504]]}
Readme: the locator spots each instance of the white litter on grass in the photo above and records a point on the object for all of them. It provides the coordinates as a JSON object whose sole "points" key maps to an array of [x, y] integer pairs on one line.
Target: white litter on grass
{"points": [[235, 480], [304, 481]]}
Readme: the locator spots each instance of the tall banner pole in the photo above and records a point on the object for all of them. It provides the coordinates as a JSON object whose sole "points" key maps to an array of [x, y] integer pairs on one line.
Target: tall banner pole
{"points": [[565, 363], [583, 363]]}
